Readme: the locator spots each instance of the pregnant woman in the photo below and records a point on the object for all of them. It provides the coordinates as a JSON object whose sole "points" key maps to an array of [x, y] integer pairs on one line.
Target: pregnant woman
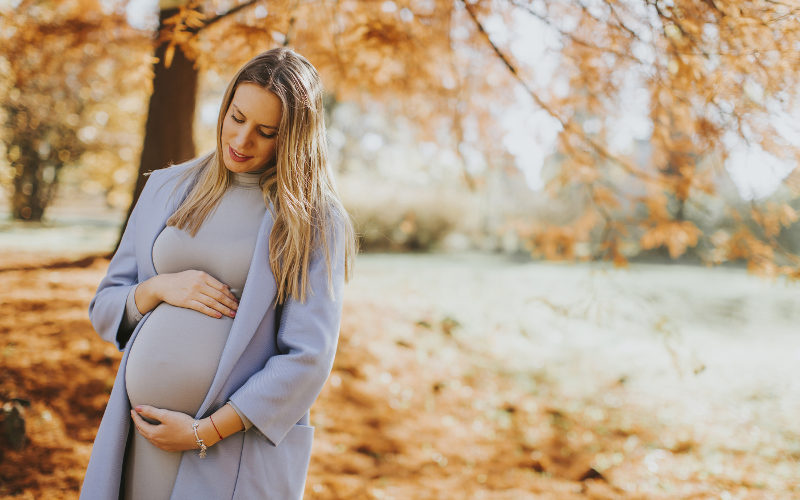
{"points": [[225, 296]]}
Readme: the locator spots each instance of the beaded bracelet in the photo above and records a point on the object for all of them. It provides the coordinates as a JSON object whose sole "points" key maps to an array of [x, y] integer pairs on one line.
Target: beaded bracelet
{"points": [[199, 441]]}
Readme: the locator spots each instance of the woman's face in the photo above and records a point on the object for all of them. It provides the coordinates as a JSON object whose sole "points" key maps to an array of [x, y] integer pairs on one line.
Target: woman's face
{"points": [[250, 128]]}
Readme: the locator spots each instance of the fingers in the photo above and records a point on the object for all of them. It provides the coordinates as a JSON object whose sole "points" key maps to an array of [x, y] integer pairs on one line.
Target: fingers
{"points": [[207, 305], [144, 428], [211, 306], [172, 434], [151, 413], [151, 432], [205, 309], [225, 295], [217, 296], [220, 301], [202, 292]]}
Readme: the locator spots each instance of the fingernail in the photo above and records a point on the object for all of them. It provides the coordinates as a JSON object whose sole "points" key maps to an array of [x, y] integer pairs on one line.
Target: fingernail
{"points": [[138, 409]]}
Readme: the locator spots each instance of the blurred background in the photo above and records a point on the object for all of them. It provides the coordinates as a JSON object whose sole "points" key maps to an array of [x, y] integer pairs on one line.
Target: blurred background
{"points": [[577, 220]]}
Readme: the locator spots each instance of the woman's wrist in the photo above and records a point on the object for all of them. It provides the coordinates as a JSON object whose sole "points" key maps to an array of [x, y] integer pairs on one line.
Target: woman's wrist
{"points": [[225, 423], [153, 287], [207, 433], [148, 295]]}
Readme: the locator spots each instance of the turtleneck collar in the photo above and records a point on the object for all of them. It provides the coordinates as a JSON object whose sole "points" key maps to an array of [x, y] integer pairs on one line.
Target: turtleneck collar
{"points": [[247, 179]]}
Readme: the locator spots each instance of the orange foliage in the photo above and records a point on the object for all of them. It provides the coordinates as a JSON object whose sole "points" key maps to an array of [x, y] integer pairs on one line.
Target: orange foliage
{"points": [[677, 236], [710, 71], [705, 71], [61, 96], [759, 255], [773, 218]]}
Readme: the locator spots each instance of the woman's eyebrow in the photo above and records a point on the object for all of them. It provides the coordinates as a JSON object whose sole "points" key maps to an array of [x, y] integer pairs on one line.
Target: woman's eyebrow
{"points": [[260, 124]]}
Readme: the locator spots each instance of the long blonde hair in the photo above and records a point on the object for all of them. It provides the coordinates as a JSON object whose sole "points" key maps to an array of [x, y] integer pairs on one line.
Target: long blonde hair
{"points": [[298, 181]]}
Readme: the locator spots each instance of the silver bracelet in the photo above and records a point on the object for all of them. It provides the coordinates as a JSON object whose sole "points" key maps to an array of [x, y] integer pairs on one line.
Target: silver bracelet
{"points": [[199, 441]]}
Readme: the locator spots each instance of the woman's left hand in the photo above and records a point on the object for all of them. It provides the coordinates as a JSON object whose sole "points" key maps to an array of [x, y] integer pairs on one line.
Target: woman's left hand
{"points": [[173, 434]]}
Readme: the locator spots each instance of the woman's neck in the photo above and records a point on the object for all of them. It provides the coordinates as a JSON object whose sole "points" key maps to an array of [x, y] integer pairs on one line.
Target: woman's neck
{"points": [[247, 179]]}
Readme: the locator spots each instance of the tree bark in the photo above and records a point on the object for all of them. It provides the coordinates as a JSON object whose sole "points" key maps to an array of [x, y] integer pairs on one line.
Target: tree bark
{"points": [[31, 191], [168, 132], [36, 160]]}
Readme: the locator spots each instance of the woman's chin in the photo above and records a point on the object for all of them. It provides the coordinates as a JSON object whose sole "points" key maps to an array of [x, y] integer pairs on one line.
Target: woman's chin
{"points": [[237, 166]]}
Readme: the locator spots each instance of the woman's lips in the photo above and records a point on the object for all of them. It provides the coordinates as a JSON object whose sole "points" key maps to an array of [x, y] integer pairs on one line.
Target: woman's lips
{"points": [[236, 156]]}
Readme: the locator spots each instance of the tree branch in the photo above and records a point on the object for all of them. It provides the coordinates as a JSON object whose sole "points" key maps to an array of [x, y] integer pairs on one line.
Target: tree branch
{"points": [[672, 18], [620, 23], [576, 40], [568, 126], [208, 22]]}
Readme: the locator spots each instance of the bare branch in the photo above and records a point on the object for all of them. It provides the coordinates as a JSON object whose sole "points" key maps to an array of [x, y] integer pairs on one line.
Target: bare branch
{"points": [[576, 40], [569, 126], [620, 23], [212, 20]]}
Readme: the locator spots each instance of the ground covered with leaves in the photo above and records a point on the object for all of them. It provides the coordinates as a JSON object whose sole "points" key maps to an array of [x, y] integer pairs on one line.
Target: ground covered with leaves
{"points": [[415, 408]]}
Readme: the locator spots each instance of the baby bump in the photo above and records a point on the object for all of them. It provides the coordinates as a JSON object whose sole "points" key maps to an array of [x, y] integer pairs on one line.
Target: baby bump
{"points": [[174, 357]]}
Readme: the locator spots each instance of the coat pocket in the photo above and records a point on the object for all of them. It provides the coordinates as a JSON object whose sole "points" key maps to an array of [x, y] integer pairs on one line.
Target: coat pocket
{"points": [[278, 472]]}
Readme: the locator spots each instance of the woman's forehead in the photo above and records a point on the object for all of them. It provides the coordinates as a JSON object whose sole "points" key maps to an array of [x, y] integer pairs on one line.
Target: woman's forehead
{"points": [[258, 104]]}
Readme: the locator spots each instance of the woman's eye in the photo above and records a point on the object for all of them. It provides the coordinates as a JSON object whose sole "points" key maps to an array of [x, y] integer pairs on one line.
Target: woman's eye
{"points": [[237, 120], [267, 136]]}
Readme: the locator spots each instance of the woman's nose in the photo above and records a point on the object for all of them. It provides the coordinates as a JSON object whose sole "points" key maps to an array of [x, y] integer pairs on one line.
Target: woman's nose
{"points": [[243, 138]]}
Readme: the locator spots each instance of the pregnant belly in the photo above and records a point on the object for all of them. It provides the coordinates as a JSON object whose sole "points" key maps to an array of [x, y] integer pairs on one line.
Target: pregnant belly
{"points": [[174, 357]]}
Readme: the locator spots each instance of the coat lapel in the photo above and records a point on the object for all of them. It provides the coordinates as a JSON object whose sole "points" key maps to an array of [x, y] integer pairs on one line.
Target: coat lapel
{"points": [[257, 296]]}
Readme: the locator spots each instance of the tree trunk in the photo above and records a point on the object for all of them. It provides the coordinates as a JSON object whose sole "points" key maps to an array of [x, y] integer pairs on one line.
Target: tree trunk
{"points": [[168, 131], [34, 183]]}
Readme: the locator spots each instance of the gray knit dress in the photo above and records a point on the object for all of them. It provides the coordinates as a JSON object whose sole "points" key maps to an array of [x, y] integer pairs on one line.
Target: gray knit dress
{"points": [[175, 355]]}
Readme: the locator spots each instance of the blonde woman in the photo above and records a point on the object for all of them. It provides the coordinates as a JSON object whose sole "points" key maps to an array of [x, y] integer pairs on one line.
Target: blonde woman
{"points": [[225, 296]]}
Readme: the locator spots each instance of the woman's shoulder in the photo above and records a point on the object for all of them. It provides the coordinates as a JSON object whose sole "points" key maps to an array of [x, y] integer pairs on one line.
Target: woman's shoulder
{"points": [[173, 172], [334, 217], [335, 224], [172, 176]]}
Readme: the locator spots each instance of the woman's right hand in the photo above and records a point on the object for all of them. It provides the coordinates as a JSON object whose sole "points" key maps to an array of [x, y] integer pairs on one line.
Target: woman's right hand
{"points": [[191, 289]]}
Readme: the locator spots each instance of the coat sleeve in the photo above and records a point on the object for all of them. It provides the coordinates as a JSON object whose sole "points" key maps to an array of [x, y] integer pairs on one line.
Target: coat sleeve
{"points": [[278, 395], [107, 310]]}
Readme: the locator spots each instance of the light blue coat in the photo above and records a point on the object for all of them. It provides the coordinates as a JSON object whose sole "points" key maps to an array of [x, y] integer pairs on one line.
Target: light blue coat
{"points": [[272, 377]]}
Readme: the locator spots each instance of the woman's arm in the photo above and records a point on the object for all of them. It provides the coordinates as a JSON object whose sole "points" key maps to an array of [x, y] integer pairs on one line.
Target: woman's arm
{"points": [[277, 396], [107, 307], [175, 432]]}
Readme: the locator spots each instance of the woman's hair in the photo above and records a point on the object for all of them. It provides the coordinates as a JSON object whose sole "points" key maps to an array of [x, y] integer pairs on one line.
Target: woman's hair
{"points": [[298, 181]]}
